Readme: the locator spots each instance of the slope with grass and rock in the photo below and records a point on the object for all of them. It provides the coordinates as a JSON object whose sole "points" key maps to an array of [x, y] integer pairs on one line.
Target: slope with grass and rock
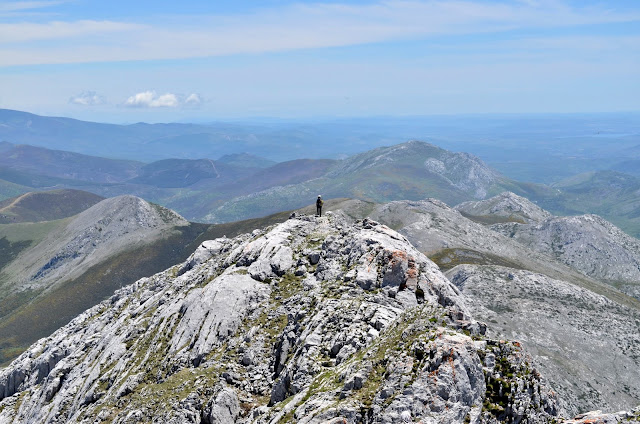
{"points": [[50, 271]]}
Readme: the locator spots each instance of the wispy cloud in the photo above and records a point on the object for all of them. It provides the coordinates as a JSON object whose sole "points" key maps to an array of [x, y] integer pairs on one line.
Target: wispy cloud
{"points": [[149, 99], [88, 98], [22, 9], [298, 26], [16, 6], [30, 32]]}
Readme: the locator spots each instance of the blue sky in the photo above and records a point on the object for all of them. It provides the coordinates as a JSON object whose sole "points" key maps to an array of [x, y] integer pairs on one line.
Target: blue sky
{"points": [[158, 60]]}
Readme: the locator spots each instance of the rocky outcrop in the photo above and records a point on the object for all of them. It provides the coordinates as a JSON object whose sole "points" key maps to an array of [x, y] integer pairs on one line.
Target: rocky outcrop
{"points": [[311, 321], [586, 243], [450, 239], [506, 207]]}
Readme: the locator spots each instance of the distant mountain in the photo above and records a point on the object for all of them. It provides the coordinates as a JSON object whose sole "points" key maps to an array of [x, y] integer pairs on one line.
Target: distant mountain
{"points": [[90, 138], [176, 173], [10, 189], [413, 170], [246, 160], [631, 166], [67, 165], [46, 206], [150, 142], [205, 190]]}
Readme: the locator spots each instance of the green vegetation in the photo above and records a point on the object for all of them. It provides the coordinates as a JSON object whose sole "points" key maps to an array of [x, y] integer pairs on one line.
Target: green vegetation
{"points": [[492, 219], [450, 258], [10, 250]]}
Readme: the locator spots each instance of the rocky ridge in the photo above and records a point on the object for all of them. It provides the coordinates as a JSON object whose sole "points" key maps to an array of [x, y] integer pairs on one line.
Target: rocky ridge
{"points": [[587, 243], [449, 238], [313, 321]]}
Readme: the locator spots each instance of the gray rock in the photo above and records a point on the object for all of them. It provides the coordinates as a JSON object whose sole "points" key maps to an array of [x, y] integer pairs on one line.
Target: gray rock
{"points": [[238, 337], [222, 409]]}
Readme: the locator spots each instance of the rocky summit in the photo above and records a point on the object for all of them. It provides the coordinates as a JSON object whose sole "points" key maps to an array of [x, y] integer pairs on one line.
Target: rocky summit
{"points": [[314, 320]]}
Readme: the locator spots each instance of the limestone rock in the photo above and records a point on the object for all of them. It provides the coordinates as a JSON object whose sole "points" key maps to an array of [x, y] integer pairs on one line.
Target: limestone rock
{"points": [[237, 336]]}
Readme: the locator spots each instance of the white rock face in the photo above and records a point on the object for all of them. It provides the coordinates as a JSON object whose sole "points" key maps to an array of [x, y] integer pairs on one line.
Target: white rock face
{"points": [[312, 321]]}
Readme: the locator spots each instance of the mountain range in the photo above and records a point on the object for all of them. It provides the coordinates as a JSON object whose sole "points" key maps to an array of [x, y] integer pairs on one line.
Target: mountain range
{"points": [[542, 148], [227, 190]]}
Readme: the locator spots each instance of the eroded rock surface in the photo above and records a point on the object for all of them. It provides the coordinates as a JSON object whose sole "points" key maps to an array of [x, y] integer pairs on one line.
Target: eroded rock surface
{"points": [[311, 321], [587, 345]]}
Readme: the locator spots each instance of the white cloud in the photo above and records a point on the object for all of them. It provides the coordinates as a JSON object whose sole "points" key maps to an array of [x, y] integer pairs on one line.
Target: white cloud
{"points": [[88, 98], [297, 26], [193, 100], [149, 99]]}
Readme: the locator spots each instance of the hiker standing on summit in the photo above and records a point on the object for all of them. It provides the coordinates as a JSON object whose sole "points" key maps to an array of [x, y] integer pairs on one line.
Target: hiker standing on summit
{"points": [[319, 203]]}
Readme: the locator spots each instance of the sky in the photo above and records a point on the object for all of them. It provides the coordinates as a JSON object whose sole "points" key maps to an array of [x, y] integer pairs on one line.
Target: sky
{"points": [[168, 61]]}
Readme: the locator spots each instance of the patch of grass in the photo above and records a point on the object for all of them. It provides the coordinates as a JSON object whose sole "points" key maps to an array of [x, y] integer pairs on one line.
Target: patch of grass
{"points": [[493, 219], [447, 259]]}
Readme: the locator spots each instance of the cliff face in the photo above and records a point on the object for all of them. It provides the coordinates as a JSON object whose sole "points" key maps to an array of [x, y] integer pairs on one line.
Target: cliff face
{"points": [[312, 321]]}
